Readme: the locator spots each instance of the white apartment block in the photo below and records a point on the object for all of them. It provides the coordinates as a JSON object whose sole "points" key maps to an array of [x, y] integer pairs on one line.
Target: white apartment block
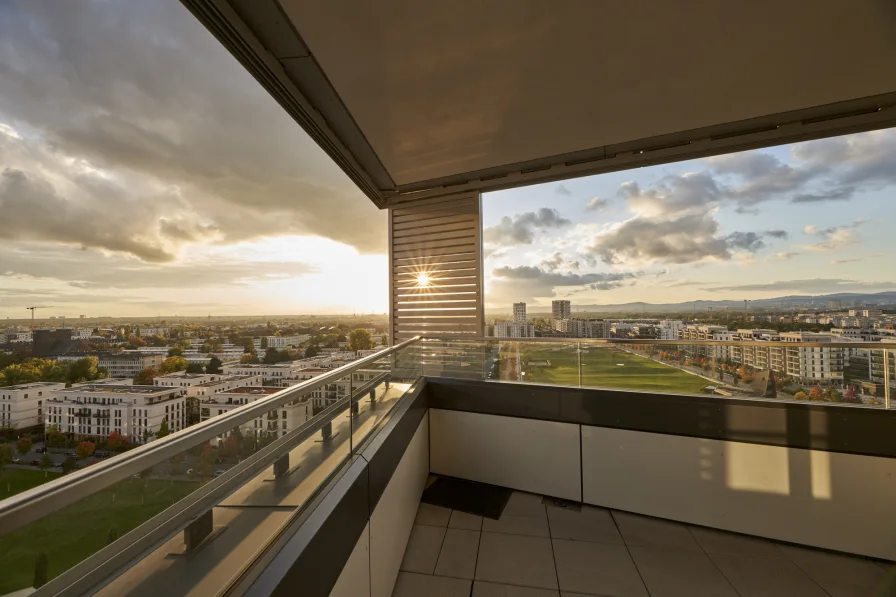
{"points": [[147, 332], [130, 363], [275, 372], [337, 390], [669, 329], [204, 385], [277, 422], [582, 328], [16, 337], [280, 342], [81, 334], [519, 312], [133, 411], [23, 406], [512, 329]]}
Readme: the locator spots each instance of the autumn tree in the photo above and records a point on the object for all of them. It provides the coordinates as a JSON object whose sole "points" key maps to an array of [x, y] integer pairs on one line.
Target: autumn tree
{"points": [[114, 441], [172, 364], [801, 396], [23, 446], [145, 376], [851, 397], [816, 393], [84, 450], [360, 339], [175, 351]]}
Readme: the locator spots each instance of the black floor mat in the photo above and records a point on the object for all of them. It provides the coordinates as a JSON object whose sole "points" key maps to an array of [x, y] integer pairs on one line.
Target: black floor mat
{"points": [[480, 499]]}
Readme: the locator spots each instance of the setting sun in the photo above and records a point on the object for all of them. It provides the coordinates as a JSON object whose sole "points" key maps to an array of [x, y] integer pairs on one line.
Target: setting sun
{"points": [[422, 280]]}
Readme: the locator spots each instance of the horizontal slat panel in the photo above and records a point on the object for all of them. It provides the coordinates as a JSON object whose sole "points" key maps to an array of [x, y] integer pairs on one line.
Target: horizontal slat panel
{"points": [[471, 318], [434, 252], [440, 292], [436, 282], [424, 236], [435, 312], [460, 219], [427, 300], [409, 202], [416, 267], [455, 205], [465, 224], [467, 242], [428, 215], [427, 260]]}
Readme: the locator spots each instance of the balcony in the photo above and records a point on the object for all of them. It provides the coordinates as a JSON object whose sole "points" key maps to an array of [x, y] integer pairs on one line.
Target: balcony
{"points": [[607, 490]]}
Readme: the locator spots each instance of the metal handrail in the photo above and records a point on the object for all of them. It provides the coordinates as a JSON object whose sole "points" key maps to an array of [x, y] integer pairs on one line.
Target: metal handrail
{"points": [[731, 343], [30, 505]]}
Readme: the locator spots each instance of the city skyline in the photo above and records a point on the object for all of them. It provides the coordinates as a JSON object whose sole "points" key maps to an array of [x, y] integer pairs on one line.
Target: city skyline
{"points": [[127, 191]]}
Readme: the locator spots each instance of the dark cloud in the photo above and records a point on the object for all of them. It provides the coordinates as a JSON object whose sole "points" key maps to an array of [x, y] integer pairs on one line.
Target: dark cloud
{"points": [[118, 104], [686, 239], [557, 262], [597, 204], [91, 271], [527, 282], [813, 286], [838, 194], [562, 190], [775, 233], [521, 228]]}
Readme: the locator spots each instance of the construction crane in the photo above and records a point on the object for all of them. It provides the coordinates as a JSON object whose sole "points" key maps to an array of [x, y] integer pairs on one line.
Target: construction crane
{"points": [[32, 313]]}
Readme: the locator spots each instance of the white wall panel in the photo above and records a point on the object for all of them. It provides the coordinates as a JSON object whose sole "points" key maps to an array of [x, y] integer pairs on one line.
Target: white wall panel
{"points": [[525, 454], [393, 517], [836, 501], [354, 581]]}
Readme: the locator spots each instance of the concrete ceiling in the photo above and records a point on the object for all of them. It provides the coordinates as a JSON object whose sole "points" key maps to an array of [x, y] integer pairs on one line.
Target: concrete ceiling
{"points": [[419, 99]]}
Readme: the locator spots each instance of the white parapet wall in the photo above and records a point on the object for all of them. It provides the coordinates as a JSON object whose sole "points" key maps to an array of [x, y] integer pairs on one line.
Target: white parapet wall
{"points": [[830, 500]]}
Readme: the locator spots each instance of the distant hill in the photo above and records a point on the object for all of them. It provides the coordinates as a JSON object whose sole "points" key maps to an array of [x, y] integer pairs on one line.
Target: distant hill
{"points": [[783, 302]]}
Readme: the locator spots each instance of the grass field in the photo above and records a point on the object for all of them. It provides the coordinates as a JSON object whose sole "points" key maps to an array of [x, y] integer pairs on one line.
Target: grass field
{"points": [[73, 533], [608, 368]]}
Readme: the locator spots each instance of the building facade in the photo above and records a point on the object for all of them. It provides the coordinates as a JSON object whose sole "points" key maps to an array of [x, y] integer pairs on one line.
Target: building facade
{"points": [[512, 329], [519, 312], [561, 310], [129, 363], [23, 406]]}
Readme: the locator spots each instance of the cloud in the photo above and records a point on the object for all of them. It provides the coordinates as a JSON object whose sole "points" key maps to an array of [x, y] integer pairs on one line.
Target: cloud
{"points": [[834, 237], [781, 234], [521, 228], [783, 256], [842, 261], [597, 204], [811, 286], [562, 190], [148, 118], [528, 282], [557, 262], [838, 194], [686, 239]]}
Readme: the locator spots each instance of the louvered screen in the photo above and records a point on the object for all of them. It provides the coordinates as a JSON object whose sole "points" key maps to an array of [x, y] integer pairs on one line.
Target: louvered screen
{"points": [[435, 259]]}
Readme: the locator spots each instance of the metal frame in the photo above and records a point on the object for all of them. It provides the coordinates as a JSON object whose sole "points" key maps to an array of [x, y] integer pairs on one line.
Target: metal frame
{"points": [[761, 343], [25, 507]]}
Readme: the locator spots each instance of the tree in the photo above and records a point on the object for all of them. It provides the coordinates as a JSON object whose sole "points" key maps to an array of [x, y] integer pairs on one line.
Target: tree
{"points": [[816, 393], [214, 365], [55, 439], [264, 342], [84, 450], [86, 369], [145, 377], [41, 570], [851, 396], [384, 340], [801, 396], [68, 465], [23, 446], [46, 463], [312, 351], [163, 429], [195, 368], [172, 364], [271, 356], [833, 395], [360, 339], [5, 456], [176, 351], [735, 378], [249, 359], [114, 441]]}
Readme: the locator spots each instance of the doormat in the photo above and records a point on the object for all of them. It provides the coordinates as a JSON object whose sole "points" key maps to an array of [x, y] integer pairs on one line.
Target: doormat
{"points": [[472, 497]]}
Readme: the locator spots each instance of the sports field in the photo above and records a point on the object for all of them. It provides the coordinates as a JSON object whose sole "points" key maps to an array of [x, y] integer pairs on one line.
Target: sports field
{"points": [[73, 533], [605, 368]]}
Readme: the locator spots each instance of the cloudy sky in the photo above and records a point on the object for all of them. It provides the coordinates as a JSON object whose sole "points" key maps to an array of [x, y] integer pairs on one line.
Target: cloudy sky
{"points": [[143, 172]]}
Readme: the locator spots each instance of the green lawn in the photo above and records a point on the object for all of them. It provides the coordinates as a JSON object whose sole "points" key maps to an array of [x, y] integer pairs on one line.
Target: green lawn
{"points": [[601, 368], [73, 533]]}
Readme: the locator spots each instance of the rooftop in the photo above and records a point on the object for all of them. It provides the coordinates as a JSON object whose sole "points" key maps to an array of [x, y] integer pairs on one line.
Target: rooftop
{"points": [[252, 390], [114, 389]]}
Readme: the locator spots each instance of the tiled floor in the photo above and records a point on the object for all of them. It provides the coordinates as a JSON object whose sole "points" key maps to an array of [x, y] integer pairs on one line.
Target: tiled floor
{"points": [[539, 550]]}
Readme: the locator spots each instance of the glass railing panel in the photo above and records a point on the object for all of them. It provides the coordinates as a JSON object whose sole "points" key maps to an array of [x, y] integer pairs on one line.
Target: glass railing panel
{"points": [[252, 464], [458, 359], [552, 363]]}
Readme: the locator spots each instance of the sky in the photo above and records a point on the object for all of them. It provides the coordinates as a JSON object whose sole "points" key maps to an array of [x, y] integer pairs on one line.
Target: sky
{"points": [[143, 172]]}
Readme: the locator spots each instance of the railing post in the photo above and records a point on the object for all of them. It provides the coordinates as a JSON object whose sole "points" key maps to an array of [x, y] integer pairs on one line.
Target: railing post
{"points": [[579, 360], [886, 378], [281, 466], [326, 432], [198, 529]]}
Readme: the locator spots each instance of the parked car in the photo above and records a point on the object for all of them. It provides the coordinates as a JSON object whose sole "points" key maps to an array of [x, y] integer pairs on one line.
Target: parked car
{"points": [[71, 453], [219, 472], [16, 460], [35, 462], [101, 454], [40, 450]]}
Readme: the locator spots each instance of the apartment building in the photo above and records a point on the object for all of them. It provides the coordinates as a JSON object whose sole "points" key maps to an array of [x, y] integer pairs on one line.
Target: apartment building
{"points": [[81, 334], [22, 406], [201, 385], [129, 363], [669, 329], [519, 312], [583, 328], [280, 342], [277, 422], [156, 331], [135, 412], [335, 391], [561, 310], [512, 329], [276, 372]]}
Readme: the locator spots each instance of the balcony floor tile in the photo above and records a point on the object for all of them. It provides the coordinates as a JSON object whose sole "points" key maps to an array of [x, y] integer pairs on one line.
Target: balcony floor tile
{"points": [[463, 520], [766, 577], [841, 575], [490, 589], [589, 524], [654, 532], [597, 569], [516, 560], [458, 555], [422, 551], [434, 516], [415, 585], [680, 573]]}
